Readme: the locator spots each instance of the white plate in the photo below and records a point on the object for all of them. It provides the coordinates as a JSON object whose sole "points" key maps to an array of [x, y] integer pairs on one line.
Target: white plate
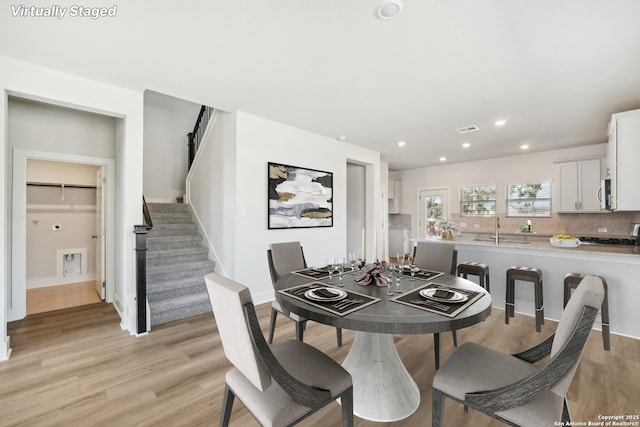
{"points": [[313, 295], [457, 296]]}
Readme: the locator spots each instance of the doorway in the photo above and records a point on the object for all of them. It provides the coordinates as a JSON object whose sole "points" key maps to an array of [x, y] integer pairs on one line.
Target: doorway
{"points": [[356, 206], [21, 219], [63, 235], [432, 204]]}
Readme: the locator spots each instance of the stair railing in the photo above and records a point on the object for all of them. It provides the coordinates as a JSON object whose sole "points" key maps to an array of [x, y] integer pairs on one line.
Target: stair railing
{"points": [[141, 268], [195, 137]]}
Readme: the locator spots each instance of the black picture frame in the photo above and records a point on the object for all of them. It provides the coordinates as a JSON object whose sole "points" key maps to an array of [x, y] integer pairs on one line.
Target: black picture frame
{"points": [[298, 197]]}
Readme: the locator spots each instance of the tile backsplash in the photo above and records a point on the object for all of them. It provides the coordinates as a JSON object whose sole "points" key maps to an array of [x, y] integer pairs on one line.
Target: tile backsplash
{"points": [[608, 224], [616, 224]]}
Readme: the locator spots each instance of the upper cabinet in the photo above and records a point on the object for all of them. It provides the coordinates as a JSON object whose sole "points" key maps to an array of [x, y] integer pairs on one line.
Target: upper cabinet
{"points": [[580, 185], [393, 189], [623, 153]]}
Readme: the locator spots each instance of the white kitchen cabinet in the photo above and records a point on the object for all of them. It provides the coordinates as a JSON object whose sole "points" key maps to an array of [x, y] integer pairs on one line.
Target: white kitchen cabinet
{"points": [[623, 154], [580, 185]]}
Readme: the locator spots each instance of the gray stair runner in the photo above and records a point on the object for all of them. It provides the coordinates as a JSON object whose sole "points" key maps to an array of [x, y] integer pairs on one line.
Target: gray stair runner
{"points": [[176, 265]]}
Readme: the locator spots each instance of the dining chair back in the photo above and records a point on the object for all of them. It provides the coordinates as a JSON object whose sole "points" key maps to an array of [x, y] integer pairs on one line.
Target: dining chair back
{"points": [[284, 258], [436, 256], [279, 386], [513, 388]]}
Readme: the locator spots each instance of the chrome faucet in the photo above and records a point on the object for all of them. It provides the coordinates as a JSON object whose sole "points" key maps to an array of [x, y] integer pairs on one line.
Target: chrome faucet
{"points": [[497, 238]]}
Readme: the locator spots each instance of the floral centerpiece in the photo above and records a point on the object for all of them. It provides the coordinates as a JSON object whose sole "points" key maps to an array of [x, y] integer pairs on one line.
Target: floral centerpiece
{"points": [[447, 228], [373, 274]]}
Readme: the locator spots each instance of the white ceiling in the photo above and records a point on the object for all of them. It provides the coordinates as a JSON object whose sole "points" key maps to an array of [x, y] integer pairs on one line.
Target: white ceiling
{"points": [[556, 70]]}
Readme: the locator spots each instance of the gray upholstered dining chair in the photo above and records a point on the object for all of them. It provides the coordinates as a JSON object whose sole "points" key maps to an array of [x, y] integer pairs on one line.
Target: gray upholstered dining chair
{"points": [[511, 388], [437, 256], [279, 386], [283, 258]]}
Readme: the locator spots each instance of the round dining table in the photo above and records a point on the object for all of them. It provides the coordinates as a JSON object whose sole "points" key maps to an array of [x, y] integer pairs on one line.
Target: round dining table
{"points": [[384, 391]]}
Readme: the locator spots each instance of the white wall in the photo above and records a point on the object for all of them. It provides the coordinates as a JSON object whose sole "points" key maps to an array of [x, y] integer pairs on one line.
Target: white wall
{"points": [[167, 121], [260, 141], [25, 80], [237, 179], [47, 127], [500, 171]]}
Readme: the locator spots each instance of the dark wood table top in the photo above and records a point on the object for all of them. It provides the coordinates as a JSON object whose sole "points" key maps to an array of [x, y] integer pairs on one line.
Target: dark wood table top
{"points": [[388, 316]]}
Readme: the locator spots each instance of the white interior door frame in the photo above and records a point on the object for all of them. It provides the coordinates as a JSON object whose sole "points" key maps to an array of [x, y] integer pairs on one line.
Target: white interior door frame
{"points": [[17, 297]]}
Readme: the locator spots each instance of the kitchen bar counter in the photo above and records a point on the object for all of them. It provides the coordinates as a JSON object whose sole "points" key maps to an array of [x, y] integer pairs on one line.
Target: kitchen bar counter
{"points": [[618, 264], [542, 243]]}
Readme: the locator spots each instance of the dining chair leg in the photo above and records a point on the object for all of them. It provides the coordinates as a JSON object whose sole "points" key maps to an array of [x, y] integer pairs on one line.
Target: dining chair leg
{"points": [[437, 408], [346, 400], [300, 326], [272, 324], [566, 415], [339, 336], [436, 348], [227, 404]]}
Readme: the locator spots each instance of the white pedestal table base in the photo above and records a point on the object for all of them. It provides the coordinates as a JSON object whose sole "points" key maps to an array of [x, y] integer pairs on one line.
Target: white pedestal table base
{"points": [[383, 390]]}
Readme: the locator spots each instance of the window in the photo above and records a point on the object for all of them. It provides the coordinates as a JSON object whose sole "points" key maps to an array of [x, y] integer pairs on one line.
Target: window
{"points": [[478, 201], [529, 199]]}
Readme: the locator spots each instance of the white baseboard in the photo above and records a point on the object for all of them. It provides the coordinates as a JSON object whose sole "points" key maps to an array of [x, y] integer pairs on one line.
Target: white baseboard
{"points": [[55, 281], [5, 350]]}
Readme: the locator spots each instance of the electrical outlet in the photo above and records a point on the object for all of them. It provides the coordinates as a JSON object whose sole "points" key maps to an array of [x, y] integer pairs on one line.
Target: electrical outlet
{"points": [[476, 225], [602, 230], [463, 225]]}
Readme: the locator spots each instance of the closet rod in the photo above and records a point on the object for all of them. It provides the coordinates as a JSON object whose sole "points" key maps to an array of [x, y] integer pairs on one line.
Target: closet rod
{"points": [[45, 184]]}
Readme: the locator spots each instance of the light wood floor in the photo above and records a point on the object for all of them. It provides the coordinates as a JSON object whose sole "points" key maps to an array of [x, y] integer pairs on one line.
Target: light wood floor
{"points": [[76, 367], [52, 298]]}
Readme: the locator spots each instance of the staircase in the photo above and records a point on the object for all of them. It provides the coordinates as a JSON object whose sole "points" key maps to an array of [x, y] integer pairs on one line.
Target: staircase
{"points": [[176, 265]]}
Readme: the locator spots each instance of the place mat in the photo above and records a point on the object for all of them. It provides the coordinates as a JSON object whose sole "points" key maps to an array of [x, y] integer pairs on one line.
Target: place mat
{"points": [[421, 274], [450, 309], [354, 301], [314, 272], [320, 273]]}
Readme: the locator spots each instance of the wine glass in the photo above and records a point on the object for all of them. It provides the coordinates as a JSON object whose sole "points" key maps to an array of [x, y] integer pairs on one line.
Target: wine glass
{"points": [[388, 277], [400, 258], [330, 267], [353, 260], [412, 268], [339, 267], [398, 277]]}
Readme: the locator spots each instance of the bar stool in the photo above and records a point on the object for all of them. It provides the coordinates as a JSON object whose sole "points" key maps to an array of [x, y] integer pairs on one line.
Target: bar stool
{"points": [[571, 281], [527, 274], [475, 269]]}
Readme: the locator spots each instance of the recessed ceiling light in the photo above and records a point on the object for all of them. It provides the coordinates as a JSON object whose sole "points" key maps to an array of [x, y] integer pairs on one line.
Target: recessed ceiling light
{"points": [[402, 143], [443, 158], [524, 147], [500, 122], [466, 144], [342, 138], [389, 9]]}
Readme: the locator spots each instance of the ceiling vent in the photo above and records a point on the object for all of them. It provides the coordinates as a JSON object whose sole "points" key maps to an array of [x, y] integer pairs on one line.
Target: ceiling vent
{"points": [[468, 129]]}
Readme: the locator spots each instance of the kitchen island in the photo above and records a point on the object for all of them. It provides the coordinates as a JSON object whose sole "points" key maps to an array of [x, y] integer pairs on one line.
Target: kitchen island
{"points": [[618, 264]]}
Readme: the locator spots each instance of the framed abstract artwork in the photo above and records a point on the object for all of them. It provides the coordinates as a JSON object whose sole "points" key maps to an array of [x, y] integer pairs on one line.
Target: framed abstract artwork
{"points": [[299, 197]]}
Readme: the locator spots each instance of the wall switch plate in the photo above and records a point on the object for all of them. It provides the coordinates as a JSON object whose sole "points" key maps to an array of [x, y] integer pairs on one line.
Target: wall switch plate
{"points": [[56, 227], [602, 230]]}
